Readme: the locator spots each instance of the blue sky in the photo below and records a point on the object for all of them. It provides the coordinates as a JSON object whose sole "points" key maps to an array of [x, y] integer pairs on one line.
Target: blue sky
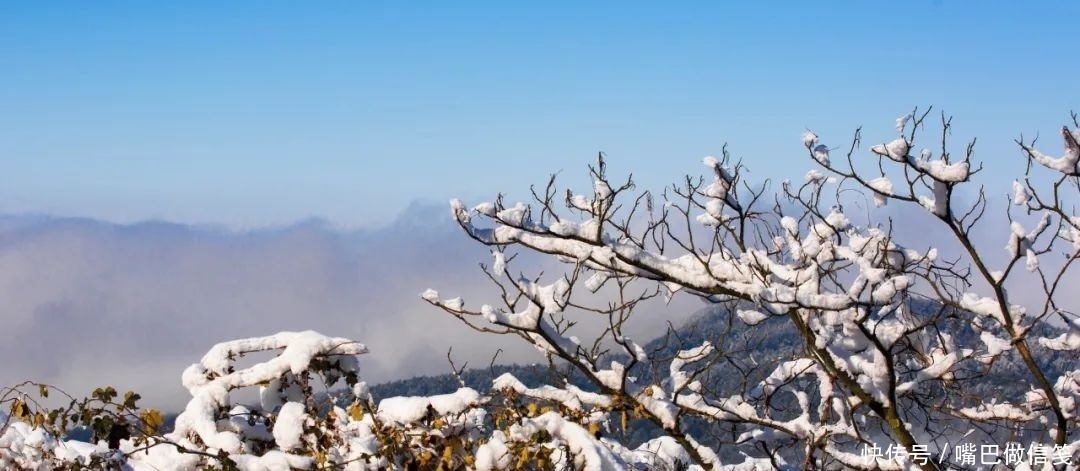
{"points": [[262, 113]]}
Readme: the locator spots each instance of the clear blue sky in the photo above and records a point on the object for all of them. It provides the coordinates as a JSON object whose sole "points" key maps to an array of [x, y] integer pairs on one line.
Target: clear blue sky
{"points": [[253, 113]]}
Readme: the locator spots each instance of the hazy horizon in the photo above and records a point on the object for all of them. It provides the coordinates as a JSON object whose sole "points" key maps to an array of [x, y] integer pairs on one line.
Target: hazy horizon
{"points": [[90, 303]]}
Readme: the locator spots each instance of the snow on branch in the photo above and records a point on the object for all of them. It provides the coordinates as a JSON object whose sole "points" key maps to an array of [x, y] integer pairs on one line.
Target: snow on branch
{"points": [[888, 327], [1068, 163]]}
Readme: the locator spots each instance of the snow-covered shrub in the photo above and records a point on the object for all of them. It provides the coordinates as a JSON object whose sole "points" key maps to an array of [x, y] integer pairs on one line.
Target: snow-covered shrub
{"points": [[32, 427], [283, 432], [296, 426]]}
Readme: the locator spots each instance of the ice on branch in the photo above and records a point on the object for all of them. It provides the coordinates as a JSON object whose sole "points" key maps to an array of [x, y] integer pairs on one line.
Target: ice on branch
{"points": [[945, 172], [580, 202], [882, 189], [677, 377], [1021, 241], [430, 296], [994, 345], [995, 411], [939, 204], [821, 154], [515, 215], [939, 170], [901, 123], [596, 281], [661, 453], [408, 409], [720, 189], [1070, 232], [571, 396], [1020, 193], [751, 316], [896, 150], [499, 266], [1070, 340], [601, 189], [1067, 163], [487, 209], [783, 374]]}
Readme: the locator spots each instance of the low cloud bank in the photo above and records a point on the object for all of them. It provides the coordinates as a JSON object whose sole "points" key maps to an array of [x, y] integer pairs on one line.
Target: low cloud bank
{"points": [[88, 303]]}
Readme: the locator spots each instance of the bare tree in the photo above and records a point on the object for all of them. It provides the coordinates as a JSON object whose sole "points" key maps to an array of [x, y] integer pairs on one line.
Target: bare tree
{"points": [[898, 343]]}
